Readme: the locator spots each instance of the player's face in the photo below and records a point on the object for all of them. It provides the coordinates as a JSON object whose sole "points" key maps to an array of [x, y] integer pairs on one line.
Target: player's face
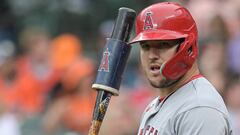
{"points": [[153, 54]]}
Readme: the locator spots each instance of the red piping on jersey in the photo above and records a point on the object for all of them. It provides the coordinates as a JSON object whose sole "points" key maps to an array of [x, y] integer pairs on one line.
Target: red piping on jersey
{"points": [[161, 99], [193, 78]]}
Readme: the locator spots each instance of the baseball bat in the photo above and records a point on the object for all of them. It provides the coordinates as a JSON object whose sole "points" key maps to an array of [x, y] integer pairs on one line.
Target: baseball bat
{"points": [[112, 65]]}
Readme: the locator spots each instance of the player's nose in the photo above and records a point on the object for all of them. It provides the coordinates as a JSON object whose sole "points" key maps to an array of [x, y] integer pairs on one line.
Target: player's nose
{"points": [[154, 53]]}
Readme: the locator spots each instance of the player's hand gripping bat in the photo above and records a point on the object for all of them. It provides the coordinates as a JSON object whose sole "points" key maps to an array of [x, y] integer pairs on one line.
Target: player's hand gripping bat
{"points": [[112, 65]]}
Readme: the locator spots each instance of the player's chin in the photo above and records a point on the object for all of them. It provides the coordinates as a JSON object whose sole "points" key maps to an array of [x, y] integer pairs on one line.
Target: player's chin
{"points": [[156, 82], [161, 83]]}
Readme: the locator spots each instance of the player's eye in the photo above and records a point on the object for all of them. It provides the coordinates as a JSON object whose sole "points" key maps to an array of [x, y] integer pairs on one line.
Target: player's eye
{"points": [[166, 45], [145, 46]]}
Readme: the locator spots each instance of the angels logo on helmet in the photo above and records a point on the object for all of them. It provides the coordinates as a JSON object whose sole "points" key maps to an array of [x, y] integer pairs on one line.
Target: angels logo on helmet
{"points": [[148, 22]]}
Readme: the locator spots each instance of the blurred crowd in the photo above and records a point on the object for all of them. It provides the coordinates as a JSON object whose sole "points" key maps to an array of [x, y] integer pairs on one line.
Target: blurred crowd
{"points": [[50, 50]]}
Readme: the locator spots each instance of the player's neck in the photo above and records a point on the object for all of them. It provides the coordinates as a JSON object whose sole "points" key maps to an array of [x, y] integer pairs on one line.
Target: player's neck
{"points": [[192, 72]]}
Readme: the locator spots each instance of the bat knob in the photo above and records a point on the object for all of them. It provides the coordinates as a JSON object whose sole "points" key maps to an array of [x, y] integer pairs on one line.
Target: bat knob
{"points": [[124, 24]]}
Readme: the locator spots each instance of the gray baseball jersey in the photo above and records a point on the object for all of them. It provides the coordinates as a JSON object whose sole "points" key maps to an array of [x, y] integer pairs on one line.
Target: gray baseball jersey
{"points": [[194, 109]]}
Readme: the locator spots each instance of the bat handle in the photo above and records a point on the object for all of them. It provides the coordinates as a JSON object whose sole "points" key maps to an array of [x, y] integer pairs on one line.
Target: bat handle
{"points": [[94, 129], [102, 102]]}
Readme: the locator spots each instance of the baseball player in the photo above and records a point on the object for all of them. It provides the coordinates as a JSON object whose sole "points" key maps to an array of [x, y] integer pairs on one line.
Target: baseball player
{"points": [[188, 104]]}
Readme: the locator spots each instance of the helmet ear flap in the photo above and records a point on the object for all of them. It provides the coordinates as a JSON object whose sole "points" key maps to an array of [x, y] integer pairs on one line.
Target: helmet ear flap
{"points": [[179, 64]]}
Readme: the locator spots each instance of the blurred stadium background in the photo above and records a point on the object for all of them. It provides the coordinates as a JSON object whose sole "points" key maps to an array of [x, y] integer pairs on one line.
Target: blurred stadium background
{"points": [[50, 49]]}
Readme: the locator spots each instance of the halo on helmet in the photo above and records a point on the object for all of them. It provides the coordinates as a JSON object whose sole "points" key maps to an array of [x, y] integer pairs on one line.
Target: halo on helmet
{"points": [[157, 35]]}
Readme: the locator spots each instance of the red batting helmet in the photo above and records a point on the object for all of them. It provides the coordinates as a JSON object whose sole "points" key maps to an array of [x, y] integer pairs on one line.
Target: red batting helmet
{"points": [[167, 21]]}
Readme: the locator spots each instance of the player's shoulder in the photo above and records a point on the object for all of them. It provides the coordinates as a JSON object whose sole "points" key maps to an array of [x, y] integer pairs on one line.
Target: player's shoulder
{"points": [[201, 93], [201, 103], [205, 94], [198, 120], [198, 93]]}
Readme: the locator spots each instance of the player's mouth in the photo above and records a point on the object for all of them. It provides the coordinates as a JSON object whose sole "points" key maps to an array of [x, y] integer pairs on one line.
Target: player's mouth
{"points": [[155, 69]]}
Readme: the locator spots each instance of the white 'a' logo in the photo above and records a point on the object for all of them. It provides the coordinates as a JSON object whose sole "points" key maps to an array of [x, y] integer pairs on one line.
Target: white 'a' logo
{"points": [[148, 22]]}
